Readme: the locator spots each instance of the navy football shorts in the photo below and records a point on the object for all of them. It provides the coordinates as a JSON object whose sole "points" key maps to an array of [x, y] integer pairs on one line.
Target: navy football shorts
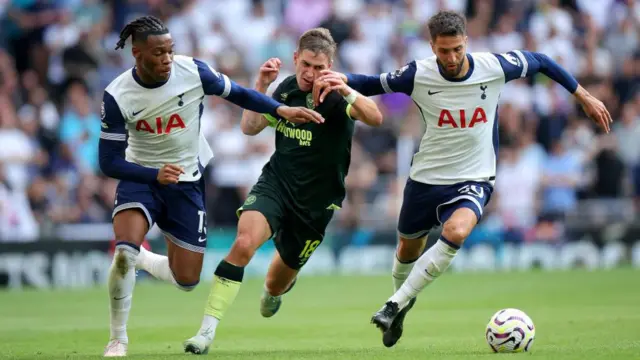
{"points": [[178, 209], [426, 206]]}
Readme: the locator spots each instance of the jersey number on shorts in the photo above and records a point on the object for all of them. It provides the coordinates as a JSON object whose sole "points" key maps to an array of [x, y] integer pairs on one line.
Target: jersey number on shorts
{"points": [[473, 190], [309, 247], [202, 224]]}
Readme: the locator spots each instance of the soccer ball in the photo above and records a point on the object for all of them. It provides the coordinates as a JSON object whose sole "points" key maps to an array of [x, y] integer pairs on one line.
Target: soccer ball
{"points": [[510, 330]]}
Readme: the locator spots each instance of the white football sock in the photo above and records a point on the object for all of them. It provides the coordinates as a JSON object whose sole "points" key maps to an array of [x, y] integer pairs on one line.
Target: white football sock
{"points": [[208, 328], [158, 266], [429, 266], [122, 279], [155, 264], [400, 271]]}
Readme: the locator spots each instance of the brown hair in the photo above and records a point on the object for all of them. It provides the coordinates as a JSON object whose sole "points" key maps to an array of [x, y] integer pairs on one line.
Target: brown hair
{"points": [[318, 40], [447, 23]]}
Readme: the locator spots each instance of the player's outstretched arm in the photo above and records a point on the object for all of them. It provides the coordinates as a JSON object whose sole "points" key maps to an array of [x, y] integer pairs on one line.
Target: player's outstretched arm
{"points": [[113, 142], [517, 64], [594, 108], [400, 80], [218, 84], [360, 107]]}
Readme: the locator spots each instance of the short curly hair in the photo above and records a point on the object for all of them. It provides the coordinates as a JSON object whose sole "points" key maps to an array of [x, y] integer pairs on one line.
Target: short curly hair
{"points": [[447, 23]]}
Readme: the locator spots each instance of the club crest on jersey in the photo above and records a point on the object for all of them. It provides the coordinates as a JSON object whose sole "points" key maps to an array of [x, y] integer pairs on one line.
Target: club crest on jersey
{"points": [[483, 88], [284, 96], [511, 58], [398, 72], [250, 200], [175, 122], [460, 121], [310, 101]]}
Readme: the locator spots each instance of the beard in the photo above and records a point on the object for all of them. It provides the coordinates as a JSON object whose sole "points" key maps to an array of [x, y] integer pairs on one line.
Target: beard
{"points": [[451, 73]]}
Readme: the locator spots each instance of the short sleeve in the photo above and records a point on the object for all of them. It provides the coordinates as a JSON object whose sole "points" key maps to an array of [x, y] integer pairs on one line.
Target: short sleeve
{"points": [[112, 121], [514, 64], [400, 80], [213, 82]]}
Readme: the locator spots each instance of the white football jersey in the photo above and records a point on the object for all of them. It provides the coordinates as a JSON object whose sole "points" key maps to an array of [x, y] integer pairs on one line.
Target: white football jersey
{"points": [[161, 123], [460, 142]]}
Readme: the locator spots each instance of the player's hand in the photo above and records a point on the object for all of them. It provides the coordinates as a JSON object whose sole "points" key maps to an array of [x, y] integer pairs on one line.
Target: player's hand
{"points": [[169, 174], [268, 72], [299, 115], [328, 81], [595, 109]]}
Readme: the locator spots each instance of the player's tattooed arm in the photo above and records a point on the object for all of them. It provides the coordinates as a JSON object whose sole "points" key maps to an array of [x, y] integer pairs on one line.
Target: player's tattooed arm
{"points": [[253, 123]]}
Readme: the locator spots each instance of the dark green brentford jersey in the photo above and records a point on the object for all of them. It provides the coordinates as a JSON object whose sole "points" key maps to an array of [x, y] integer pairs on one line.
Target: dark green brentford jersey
{"points": [[311, 160]]}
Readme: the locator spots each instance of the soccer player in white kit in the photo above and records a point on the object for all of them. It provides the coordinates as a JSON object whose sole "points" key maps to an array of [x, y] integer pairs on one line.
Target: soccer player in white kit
{"points": [[151, 142], [453, 173]]}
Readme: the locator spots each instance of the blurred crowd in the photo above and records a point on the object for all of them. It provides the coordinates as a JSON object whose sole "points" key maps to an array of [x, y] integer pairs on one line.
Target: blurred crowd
{"points": [[57, 56]]}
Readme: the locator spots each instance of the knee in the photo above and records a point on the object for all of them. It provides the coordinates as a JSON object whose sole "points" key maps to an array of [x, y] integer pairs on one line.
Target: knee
{"points": [[130, 226], [186, 279], [243, 249], [456, 231], [410, 249]]}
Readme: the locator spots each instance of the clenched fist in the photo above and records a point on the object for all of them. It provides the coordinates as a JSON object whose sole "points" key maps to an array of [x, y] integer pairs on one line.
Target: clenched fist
{"points": [[169, 174]]}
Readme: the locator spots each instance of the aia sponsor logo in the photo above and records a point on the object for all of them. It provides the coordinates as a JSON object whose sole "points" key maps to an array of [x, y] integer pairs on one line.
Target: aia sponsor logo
{"points": [[161, 125], [461, 118]]}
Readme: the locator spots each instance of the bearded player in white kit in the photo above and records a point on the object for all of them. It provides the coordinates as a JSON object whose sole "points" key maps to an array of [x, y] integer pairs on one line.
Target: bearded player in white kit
{"points": [[151, 142], [453, 173]]}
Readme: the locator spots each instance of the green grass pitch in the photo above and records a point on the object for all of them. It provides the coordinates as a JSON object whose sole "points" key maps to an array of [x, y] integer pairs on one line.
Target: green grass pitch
{"points": [[578, 315]]}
